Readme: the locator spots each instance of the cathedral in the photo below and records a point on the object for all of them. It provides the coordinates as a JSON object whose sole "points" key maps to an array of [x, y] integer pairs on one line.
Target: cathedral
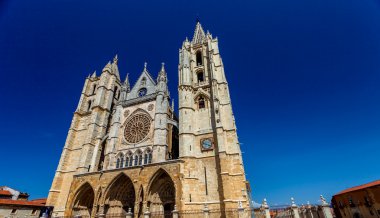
{"points": [[127, 152]]}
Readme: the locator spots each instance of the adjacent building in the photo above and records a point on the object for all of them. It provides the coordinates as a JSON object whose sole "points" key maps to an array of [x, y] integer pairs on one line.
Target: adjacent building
{"points": [[14, 203], [361, 201]]}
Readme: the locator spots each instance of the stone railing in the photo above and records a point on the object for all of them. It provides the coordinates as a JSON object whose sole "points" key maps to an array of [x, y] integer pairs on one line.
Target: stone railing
{"points": [[139, 100]]}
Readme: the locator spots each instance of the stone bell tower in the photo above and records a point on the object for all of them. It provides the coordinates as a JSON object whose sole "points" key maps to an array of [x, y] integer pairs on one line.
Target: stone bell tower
{"points": [[213, 166], [90, 123]]}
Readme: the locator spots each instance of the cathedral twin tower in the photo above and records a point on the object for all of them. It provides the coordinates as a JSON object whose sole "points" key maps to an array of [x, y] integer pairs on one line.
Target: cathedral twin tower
{"points": [[127, 152]]}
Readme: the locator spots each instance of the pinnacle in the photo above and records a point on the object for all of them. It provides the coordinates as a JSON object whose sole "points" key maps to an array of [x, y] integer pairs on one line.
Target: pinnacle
{"points": [[93, 74], [115, 59], [126, 82], [162, 66]]}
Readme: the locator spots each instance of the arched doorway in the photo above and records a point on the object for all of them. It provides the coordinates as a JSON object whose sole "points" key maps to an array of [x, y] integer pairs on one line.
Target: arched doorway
{"points": [[161, 197], [120, 196], [84, 201]]}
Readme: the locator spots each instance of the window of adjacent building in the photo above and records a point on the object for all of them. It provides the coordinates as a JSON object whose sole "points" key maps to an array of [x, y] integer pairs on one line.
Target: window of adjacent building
{"points": [[199, 58]]}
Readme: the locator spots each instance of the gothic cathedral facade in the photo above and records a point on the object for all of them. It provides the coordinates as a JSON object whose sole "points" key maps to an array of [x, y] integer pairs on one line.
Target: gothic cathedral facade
{"points": [[127, 151]]}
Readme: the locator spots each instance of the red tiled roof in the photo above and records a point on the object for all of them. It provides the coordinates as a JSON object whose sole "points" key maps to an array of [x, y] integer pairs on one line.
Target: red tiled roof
{"points": [[37, 202], [5, 192], [356, 188]]}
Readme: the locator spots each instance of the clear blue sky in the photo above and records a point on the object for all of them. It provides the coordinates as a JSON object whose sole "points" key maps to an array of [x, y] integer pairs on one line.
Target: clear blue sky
{"points": [[304, 79]]}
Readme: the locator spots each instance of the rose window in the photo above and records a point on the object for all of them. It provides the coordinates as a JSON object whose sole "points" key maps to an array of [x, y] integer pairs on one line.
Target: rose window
{"points": [[137, 128]]}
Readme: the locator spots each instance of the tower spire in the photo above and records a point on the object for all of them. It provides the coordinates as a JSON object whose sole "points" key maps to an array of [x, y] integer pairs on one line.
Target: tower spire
{"points": [[199, 33]]}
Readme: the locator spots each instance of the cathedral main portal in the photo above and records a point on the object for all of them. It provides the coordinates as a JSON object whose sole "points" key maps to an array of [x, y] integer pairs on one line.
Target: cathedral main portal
{"points": [[115, 194]]}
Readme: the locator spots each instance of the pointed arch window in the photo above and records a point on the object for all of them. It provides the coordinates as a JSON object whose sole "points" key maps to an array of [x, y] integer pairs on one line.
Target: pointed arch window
{"points": [[138, 158], [89, 105], [201, 102], [148, 156], [128, 160], [199, 58], [117, 163], [94, 89], [121, 161], [115, 93], [200, 77]]}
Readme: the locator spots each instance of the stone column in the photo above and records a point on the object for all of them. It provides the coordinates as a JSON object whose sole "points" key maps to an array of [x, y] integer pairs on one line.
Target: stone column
{"points": [[100, 213], [294, 209], [302, 211], [265, 208], [309, 210], [129, 214], [175, 212], [147, 213], [206, 211], [326, 208], [240, 210]]}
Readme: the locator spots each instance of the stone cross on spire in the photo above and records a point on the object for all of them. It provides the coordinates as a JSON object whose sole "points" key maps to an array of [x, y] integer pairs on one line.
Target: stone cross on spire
{"points": [[145, 66]]}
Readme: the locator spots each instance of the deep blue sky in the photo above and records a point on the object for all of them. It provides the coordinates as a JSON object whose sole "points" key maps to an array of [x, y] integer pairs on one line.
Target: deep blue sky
{"points": [[304, 79]]}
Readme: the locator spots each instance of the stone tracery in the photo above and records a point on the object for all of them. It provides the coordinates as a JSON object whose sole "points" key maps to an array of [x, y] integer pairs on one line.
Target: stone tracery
{"points": [[137, 128]]}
